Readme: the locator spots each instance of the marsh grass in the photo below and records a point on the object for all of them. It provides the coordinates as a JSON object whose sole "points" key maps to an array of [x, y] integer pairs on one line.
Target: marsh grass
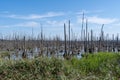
{"points": [[98, 64], [4, 54], [95, 67]]}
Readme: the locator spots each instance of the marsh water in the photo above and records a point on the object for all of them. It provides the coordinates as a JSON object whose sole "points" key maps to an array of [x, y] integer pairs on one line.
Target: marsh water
{"points": [[35, 52]]}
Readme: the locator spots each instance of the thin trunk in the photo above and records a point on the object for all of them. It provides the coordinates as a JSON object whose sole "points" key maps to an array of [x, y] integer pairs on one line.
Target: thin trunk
{"points": [[91, 41], [24, 51], [82, 27], [113, 42], [86, 36], [41, 44], [69, 38], [65, 39], [117, 41]]}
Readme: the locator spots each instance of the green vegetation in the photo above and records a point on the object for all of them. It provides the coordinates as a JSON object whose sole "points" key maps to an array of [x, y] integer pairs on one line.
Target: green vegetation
{"points": [[101, 66], [4, 54]]}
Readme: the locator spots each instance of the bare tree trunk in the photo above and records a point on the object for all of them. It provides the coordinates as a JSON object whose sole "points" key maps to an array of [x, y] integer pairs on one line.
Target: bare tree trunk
{"points": [[117, 40], [91, 42], [65, 40], [24, 51], [107, 37], [102, 38], [82, 27], [84, 42], [69, 38], [86, 36], [41, 45]]}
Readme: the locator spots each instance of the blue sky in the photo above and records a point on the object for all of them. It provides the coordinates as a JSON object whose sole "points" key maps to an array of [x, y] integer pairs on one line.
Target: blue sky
{"points": [[20, 16]]}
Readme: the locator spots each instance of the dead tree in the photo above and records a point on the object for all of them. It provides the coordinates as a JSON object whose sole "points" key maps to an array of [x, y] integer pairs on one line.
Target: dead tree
{"points": [[102, 37], [69, 38], [65, 47], [41, 42], [107, 45], [92, 45], [84, 40], [86, 43], [82, 27], [24, 51], [117, 41]]}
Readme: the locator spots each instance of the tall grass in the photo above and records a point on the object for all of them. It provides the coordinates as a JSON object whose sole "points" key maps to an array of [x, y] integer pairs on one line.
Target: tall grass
{"points": [[98, 64], [39, 69], [95, 67]]}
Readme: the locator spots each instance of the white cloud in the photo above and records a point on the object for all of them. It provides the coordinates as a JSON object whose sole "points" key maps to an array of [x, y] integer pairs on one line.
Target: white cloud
{"points": [[82, 11], [89, 12], [24, 24], [116, 24], [99, 20], [36, 16], [48, 23], [28, 24], [56, 23]]}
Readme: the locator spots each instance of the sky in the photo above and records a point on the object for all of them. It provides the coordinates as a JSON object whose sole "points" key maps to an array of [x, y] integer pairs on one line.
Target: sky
{"points": [[26, 16]]}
